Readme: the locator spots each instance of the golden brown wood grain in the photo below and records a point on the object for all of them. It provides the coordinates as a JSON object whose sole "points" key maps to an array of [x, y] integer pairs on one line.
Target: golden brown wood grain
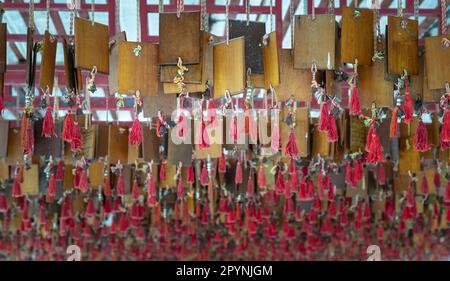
{"points": [[102, 137], [68, 65], [47, 72], [229, 67], [373, 87], [428, 94], [179, 37], [215, 149], [301, 131], [15, 151], [170, 180], [409, 158], [437, 62], [68, 176], [320, 144], [150, 145], [96, 177], [113, 77], [91, 45], [357, 36], [358, 134], [315, 41], [118, 144], [294, 82], [30, 185], [138, 73], [192, 76], [402, 46], [164, 103], [271, 61], [3, 42]]}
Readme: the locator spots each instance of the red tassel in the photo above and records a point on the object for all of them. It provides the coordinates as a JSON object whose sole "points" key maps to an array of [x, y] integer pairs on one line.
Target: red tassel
{"points": [[83, 185], [211, 113], [332, 129], [180, 189], [348, 172], [90, 209], [323, 120], [393, 130], [48, 125], [381, 175], [181, 126], [68, 128], [238, 179], [135, 137], [375, 151], [60, 170], [203, 138], [445, 130], [26, 135], [275, 137], [107, 189], [135, 190], [408, 107], [3, 203], [420, 141], [190, 179], [437, 180], [447, 193], [261, 177], [51, 190], [17, 189], [253, 129], [279, 184], [291, 146], [151, 188], [250, 186], [424, 185], [159, 123], [355, 106], [357, 172], [234, 129], [222, 164], [77, 140], [2, 105], [120, 188], [162, 172], [294, 181], [204, 175]]}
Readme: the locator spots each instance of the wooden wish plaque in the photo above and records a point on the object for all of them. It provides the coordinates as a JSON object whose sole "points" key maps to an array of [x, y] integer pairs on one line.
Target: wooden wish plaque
{"points": [[179, 37], [301, 131], [402, 46], [30, 185], [113, 77], [47, 72], [179, 151], [138, 68], [15, 151], [166, 104], [373, 88], [409, 158], [437, 62], [357, 36], [118, 144], [150, 145], [91, 45], [271, 60], [69, 65], [229, 67], [315, 41]]}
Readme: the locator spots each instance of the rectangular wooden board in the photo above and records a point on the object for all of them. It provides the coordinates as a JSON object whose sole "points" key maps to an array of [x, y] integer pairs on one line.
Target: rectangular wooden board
{"points": [[96, 176], [373, 87], [91, 45], [179, 37], [402, 46], [437, 62], [253, 33], [69, 65], [47, 72], [15, 151], [47, 146], [30, 60], [229, 67], [357, 36], [315, 41], [164, 103], [30, 185], [113, 77], [138, 73], [271, 61], [150, 145], [409, 158], [118, 144], [102, 137]]}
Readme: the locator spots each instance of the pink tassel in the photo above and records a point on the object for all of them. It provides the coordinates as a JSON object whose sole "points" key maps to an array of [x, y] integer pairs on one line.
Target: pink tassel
{"points": [[291, 147], [275, 137], [253, 129], [162, 172], [447, 193], [17, 189], [323, 120], [348, 172], [250, 186], [211, 114], [135, 137], [77, 140], [135, 190], [420, 141], [375, 152], [60, 170], [355, 106], [279, 184], [381, 175], [222, 164], [234, 129], [190, 179], [48, 125], [83, 184], [90, 209], [332, 129], [3, 203], [261, 177], [445, 130], [294, 180], [107, 189], [151, 198], [204, 175], [357, 171], [408, 107], [180, 189], [120, 188], [68, 128], [51, 190], [424, 185], [203, 139], [181, 126], [238, 179]]}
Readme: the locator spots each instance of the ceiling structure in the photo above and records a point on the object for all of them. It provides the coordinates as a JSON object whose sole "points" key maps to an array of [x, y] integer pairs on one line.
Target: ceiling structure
{"points": [[122, 15]]}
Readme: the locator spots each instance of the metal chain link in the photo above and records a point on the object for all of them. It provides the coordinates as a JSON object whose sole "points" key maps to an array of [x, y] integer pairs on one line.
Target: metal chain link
{"points": [[291, 14], [331, 7], [180, 7], [399, 8], [72, 17], [93, 12], [48, 15], [31, 15], [204, 16], [416, 9], [161, 6], [444, 17], [270, 15], [247, 11], [138, 20]]}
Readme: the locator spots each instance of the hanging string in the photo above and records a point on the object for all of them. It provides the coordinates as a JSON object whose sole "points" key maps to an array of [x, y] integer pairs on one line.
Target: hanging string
{"points": [[399, 8], [180, 7], [416, 9], [31, 15], [331, 7], [313, 13], [270, 14], [72, 17], [356, 4], [204, 16], [227, 21], [161, 6], [247, 11], [93, 12], [444, 17], [48, 16], [291, 14], [138, 20]]}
